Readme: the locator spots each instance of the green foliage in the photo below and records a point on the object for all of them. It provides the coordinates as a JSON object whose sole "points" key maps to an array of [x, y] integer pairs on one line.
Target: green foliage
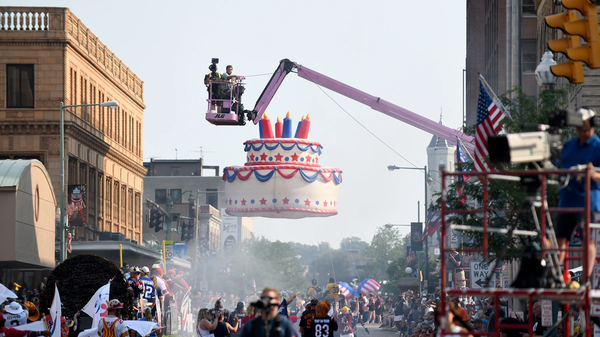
{"points": [[386, 247]]}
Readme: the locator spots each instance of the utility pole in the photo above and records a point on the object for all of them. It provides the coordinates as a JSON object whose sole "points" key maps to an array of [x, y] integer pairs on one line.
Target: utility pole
{"points": [[168, 216]]}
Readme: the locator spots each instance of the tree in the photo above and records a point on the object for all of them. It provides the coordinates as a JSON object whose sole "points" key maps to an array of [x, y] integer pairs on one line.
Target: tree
{"points": [[385, 247], [353, 243]]}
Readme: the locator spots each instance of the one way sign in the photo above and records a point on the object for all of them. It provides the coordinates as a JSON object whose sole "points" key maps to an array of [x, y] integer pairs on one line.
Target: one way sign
{"points": [[479, 274]]}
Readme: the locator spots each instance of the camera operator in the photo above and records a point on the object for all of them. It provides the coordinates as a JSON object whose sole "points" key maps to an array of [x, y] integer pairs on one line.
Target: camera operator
{"points": [[269, 323], [585, 149]]}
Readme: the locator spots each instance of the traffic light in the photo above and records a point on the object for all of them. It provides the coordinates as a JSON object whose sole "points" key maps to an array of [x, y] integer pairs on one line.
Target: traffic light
{"points": [[587, 28], [573, 70], [156, 219], [187, 232]]}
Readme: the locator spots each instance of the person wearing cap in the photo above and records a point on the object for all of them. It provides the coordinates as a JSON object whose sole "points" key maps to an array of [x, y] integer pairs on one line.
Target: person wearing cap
{"points": [[240, 313], [112, 325], [134, 283], [149, 293], [345, 321], [269, 323], [12, 332], [15, 314], [582, 150], [160, 282]]}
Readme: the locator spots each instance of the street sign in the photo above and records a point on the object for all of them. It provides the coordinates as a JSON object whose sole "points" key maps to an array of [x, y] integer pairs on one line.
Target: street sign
{"points": [[203, 286], [168, 242], [180, 250], [546, 312], [505, 284], [169, 251], [479, 274]]}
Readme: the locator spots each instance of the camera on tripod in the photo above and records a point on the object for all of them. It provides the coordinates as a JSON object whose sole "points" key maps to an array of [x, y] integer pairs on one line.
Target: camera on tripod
{"points": [[530, 147]]}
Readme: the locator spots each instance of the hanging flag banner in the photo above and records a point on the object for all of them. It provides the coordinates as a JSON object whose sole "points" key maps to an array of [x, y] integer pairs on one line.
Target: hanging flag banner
{"points": [[416, 236], [76, 209]]}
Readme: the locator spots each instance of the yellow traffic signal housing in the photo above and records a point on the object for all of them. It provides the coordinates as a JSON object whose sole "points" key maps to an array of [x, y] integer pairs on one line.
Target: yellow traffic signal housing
{"points": [[573, 70], [587, 28]]}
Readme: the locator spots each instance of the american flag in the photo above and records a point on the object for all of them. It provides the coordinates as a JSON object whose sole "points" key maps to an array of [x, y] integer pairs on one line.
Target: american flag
{"points": [[432, 223], [461, 157], [489, 122]]}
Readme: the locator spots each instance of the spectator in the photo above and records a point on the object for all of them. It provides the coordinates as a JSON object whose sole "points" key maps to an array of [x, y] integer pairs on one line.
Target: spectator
{"points": [[270, 319], [378, 308], [492, 315]]}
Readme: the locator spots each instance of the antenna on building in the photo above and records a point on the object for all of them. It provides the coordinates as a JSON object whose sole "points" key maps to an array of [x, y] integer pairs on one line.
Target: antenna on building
{"points": [[175, 153], [202, 152]]}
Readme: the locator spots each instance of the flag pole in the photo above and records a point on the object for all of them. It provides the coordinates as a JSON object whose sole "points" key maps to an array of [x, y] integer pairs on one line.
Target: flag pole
{"points": [[460, 143], [494, 97]]}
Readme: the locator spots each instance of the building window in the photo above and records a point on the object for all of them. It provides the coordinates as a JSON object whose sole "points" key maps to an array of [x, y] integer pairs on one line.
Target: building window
{"points": [[212, 197], [528, 8], [528, 56], [19, 85], [160, 196], [176, 171], [176, 196]]}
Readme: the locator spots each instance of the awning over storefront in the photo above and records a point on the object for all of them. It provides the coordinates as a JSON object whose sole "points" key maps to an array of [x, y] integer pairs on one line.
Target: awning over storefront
{"points": [[133, 254]]}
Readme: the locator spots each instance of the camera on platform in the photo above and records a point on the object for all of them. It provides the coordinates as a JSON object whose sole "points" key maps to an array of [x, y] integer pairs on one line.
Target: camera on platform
{"points": [[530, 147]]}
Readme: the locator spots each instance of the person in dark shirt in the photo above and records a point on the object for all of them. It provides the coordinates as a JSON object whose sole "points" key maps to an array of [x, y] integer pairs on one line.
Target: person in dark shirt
{"points": [[306, 321], [323, 324]]}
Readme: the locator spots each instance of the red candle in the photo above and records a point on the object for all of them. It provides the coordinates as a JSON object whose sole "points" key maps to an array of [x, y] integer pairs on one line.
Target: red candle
{"points": [[267, 129], [278, 128], [304, 128]]}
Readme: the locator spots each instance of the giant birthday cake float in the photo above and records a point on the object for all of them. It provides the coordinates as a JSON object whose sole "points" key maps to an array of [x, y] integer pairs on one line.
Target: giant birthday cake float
{"points": [[282, 176]]}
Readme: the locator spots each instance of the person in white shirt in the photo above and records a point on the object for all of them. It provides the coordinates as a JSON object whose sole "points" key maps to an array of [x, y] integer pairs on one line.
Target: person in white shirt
{"points": [[15, 315], [112, 325]]}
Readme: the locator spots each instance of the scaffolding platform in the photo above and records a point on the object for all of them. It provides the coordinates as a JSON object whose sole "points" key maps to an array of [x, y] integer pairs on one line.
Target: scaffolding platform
{"points": [[584, 296]]}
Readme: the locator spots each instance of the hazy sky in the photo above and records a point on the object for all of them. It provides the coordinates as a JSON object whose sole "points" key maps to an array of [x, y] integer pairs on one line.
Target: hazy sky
{"points": [[410, 53]]}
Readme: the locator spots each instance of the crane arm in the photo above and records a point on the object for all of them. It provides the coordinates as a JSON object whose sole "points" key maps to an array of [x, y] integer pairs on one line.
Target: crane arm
{"points": [[376, 103]]}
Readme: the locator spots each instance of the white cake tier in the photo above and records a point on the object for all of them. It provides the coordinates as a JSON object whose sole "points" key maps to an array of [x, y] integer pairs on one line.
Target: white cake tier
{"points": [[283, 191], [282, 151]]}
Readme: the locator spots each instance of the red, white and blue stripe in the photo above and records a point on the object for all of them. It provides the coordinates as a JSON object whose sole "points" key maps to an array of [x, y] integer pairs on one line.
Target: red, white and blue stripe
{"points": [[368, 286], [489, 122], [346, 290]]}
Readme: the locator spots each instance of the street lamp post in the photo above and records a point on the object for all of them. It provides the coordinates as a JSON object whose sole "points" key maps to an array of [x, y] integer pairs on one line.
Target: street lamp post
{"points": [[63, 213], [427, 178]]}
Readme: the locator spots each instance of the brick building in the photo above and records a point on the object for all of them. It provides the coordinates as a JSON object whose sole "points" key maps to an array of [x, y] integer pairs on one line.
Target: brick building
{"points": [[501, 45], [48, 56], [181, 177]]}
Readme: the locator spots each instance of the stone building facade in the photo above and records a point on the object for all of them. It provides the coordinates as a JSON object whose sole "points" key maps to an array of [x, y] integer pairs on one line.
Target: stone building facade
{"points": [[180, 178], [48, 56]]}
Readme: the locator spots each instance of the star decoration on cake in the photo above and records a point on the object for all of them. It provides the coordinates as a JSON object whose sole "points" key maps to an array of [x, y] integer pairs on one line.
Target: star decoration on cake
{"points": [[278, 157], [306, 202], [285, 201], [308, 159], [294, 157], [230, 201], [263, 156], [325, 203], [263, 201], [243, 202]]}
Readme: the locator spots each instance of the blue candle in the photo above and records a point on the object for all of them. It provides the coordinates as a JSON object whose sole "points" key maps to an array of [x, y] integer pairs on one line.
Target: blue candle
{"points": [[298, 128], [287, 126], [260, 127]]}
